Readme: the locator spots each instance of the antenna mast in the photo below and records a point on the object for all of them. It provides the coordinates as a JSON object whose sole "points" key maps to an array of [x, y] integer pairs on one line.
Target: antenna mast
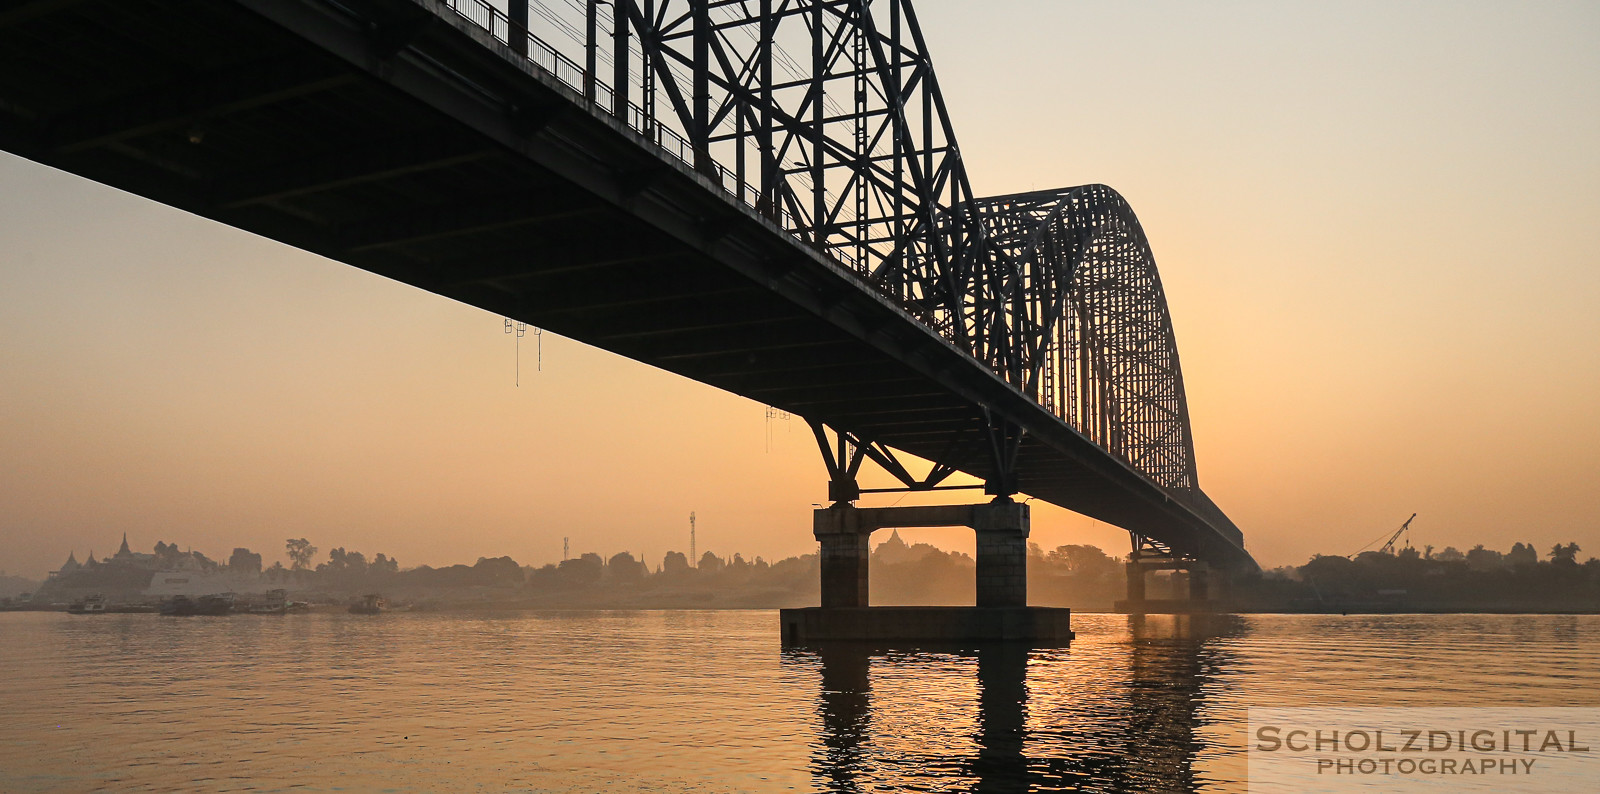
{"points": [[694, 562]]}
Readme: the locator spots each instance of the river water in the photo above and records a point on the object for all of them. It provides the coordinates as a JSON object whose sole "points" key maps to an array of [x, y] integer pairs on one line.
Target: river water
{"points": [[706, 701]]}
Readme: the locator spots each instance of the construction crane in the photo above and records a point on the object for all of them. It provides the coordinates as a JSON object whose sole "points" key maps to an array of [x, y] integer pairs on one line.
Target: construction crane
{"points": [[1388, 546]]}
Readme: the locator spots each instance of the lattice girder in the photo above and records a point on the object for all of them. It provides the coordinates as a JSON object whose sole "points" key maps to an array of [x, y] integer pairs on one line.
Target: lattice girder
{"points": [[1068, 306]]}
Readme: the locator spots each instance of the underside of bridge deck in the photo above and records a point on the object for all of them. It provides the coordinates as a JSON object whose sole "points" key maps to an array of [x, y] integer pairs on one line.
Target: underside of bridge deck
{"points": [[388, 136]]}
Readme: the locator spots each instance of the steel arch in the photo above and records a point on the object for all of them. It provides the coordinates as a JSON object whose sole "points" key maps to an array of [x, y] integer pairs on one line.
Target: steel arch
{"points": [[1068, 307]]}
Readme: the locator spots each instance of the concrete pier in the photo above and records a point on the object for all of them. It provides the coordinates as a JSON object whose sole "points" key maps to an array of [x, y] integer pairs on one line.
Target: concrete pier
{"points": [[1200, 598], [1002, 612], [1136, 573], [1199, 582], [1002, 554], [843, 560], [842, 531]]}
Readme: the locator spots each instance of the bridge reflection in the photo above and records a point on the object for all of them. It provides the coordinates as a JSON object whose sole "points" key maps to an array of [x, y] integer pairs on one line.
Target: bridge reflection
{"points": [[1117, 713]]}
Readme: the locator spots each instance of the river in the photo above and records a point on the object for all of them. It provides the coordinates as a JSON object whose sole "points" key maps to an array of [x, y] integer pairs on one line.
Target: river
{"points": [[706, 701]]}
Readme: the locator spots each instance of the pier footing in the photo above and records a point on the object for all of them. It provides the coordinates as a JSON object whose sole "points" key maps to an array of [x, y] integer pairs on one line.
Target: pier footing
{"points": [[1036, 625]]}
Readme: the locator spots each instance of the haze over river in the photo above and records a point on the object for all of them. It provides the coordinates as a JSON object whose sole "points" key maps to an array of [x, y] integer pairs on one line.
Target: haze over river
{"points": [[706, 701]]}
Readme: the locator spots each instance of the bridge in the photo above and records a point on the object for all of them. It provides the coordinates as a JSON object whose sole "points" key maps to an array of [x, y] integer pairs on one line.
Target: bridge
{"points": [[766, 196]]}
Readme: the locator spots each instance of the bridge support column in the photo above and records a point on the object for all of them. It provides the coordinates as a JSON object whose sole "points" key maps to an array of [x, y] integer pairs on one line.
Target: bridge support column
{"points": [[1135, 582], [842, 557], [1199, 582], [1197, 595], [1002, 553]]}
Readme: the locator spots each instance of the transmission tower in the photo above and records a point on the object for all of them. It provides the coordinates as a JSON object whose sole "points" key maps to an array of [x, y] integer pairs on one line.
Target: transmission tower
{"points": [[694, 562]]}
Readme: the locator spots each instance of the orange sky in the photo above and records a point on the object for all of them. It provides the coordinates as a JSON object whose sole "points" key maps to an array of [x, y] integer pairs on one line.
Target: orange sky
{"points": [[1375, 223]]}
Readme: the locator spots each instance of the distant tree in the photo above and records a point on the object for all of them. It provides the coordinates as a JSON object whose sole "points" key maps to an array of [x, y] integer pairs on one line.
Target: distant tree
{"points": [[244, 560], [335, 563], [1329, 569], [674, 562], [1408, 553], [382, 564], [276, 572], [1374, 559], [738, 563], [1482, 559], [168, 553], [300, 552], [1427, 552], [796, 569], [543, 576], [502, 570], [710, 562], [937, 578], [622, 567], [1450, 554], [760, 564], [1565, 555], [581, 571], [341, 562], [1085, 561], [1522, 555]]}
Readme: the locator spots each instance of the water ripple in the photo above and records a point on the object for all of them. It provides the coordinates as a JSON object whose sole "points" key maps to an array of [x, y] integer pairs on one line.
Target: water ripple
{"points": [[705, 701]]}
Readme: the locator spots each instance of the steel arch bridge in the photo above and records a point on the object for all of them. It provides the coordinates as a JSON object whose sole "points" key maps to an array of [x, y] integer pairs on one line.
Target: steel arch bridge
{"points": [[763, 195]]}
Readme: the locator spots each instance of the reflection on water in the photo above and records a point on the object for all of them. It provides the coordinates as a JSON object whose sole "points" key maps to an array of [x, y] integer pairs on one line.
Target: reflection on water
{"points": [[705, 701], [1140, 739]]}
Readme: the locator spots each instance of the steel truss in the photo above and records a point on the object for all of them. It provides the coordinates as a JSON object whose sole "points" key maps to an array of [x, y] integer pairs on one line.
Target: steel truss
{"points": [[1153, 551], [846, 452], [826, 117], [1072, 312]]}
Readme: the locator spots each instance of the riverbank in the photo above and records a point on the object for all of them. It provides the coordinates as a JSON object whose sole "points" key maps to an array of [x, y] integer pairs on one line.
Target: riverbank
{"points": [[549, 605]]}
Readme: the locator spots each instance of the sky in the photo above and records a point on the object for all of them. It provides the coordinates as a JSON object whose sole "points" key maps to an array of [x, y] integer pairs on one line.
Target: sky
{"points": [[1375, 224]]}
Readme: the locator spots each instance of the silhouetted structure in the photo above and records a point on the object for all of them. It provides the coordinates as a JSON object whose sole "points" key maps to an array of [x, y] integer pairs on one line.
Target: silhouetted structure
{"points": [[799, 230]]}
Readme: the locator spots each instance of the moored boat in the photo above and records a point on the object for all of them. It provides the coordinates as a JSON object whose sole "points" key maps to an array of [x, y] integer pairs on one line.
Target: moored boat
{"points": [[179, 605], [182, 606], [88, 605], [275, 602], [370, 604], [219, 604]]}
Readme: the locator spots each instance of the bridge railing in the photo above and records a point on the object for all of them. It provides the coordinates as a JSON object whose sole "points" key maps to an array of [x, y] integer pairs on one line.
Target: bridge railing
{"points": [[666, 140]]}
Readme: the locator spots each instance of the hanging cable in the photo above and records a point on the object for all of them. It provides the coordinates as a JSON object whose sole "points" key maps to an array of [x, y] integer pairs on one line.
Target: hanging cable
{"points": [[519, 328]]}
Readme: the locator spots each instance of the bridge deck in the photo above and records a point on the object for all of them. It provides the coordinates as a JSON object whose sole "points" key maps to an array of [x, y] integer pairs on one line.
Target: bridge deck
{"points": [[397, 138]]}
